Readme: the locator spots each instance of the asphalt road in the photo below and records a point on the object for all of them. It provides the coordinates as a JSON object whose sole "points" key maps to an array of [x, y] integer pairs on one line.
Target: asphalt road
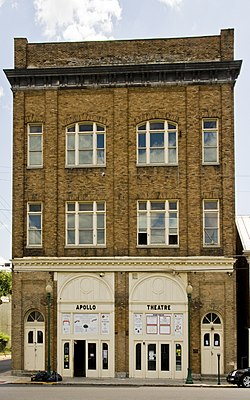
{"points": [[5, 365], [33, 392]]}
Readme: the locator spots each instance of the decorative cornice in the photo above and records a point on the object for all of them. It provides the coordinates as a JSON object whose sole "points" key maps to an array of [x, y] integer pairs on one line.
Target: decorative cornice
{"points": [[124, 264], [124, 75]]}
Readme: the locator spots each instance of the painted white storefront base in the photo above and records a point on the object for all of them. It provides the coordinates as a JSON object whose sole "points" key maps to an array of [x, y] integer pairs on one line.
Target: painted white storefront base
{"points": [[158, 326], [86, 325]]}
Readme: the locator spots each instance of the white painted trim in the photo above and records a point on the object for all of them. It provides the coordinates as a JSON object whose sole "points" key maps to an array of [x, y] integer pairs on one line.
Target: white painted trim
{"points": [[130, 264]]}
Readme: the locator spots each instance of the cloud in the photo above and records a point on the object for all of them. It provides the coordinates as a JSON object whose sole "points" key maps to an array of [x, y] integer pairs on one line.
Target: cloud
{"points": [[15, 5], [1, 2], [77, 19], [172, 3]]}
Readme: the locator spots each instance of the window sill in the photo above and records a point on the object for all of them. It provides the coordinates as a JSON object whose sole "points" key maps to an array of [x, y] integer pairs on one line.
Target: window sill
{"points": [[157, 246], [80, 246], [34, 166], [85, 166], [211, 246], [205, 164], [157, 165]]}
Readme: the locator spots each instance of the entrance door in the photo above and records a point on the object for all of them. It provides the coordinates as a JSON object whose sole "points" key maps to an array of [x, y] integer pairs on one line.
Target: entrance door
{"points": [[152, 359], [79, 358], [212, 344], [158, 360], [34, 349]]}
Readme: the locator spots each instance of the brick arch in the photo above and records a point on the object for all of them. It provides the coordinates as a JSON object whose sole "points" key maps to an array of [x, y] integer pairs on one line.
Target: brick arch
{"points": [[75, 118], [34, 118], [156, 115], [214, 113]]}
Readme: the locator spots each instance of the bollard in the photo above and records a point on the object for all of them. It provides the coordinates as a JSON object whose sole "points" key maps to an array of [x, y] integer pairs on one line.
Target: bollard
{"points": [[218, 355]]}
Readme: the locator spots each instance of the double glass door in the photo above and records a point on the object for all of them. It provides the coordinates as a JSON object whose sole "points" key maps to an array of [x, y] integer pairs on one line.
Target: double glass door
{"points": [[152, 359]]}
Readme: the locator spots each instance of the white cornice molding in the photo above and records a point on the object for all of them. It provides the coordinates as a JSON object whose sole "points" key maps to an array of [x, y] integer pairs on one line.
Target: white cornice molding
{"points": [[130, 264]]}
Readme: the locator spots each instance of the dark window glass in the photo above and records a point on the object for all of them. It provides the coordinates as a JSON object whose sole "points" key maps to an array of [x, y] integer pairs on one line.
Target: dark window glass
{"points": [[30, 337], [207, 339], [138, 357], [85, 127], [39, 337], [105, 349], [92, 356], [173, 239], [164, 357], [216, 340], [152, 357], [142, 238], [178, 365], [66, 355]]}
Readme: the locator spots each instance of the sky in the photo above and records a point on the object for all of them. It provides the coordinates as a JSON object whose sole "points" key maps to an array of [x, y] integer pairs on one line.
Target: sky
{"points": [[77, 20]]}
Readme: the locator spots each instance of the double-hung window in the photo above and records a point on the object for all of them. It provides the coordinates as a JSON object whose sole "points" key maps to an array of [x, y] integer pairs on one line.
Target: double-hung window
{"points": [[211, 222], [34, 224], [85, 145], [210, 140], [85, 223], [35, 145], [157, 143], [157, 223]]}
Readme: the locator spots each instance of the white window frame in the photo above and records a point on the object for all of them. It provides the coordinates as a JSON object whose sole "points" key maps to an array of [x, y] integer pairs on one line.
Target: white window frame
{"points": [[76, 229], [32, 135], [207, 212], [166, 147], [77, 133], [215, 147], [29, 230], [170, 232]]}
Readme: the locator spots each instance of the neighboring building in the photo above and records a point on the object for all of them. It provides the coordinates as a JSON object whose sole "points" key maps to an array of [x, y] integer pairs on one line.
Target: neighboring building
{"points": [[243, 289], [5, 303], [123, 193], [5, 265]]}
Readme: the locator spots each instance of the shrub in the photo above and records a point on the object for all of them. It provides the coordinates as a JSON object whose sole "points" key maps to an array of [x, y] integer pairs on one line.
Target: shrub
{"points": [[4, 338]]}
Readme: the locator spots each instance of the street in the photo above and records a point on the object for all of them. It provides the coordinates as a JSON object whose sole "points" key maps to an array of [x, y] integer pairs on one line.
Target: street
{"points": [[37, 392], [5, 365]]}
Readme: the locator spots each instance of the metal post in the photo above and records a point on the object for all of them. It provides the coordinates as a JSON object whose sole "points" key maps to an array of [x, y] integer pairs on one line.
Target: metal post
{"points": [[189, 379], [218, 355], [49, 300], [49, 291]]}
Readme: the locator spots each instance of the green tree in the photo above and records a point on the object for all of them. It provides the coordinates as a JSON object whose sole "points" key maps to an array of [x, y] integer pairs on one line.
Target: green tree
{"points": [[5, 283]]}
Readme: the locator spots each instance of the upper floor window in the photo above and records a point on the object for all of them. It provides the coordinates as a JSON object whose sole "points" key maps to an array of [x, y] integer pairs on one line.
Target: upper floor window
{"points": [[210, 138], [157, 143], [157, 223], [85, 144], [34, 225], [35, 145], [211, 222], [85, 223]]}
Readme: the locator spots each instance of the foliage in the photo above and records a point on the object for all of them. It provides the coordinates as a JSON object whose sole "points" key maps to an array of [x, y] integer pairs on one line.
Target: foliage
{"points": [[5, 283], [4, 338]]}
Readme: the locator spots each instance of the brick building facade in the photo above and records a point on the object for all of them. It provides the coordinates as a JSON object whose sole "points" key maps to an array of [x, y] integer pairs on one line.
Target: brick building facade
{"points": [[123, 194]]}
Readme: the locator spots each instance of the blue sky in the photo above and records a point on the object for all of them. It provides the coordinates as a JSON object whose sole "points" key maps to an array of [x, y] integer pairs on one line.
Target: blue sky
{"points": [[73, 20]]}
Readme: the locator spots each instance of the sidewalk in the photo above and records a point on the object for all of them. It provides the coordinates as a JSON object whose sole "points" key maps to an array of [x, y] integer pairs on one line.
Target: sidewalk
{"points": [[8, 378]]}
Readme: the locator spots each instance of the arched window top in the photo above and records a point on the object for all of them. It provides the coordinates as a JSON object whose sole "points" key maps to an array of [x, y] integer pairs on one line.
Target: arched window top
{"points": [[86, 126], [35, 316], [157, 124], [85, 144], [157, 142], [211, 318]]}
